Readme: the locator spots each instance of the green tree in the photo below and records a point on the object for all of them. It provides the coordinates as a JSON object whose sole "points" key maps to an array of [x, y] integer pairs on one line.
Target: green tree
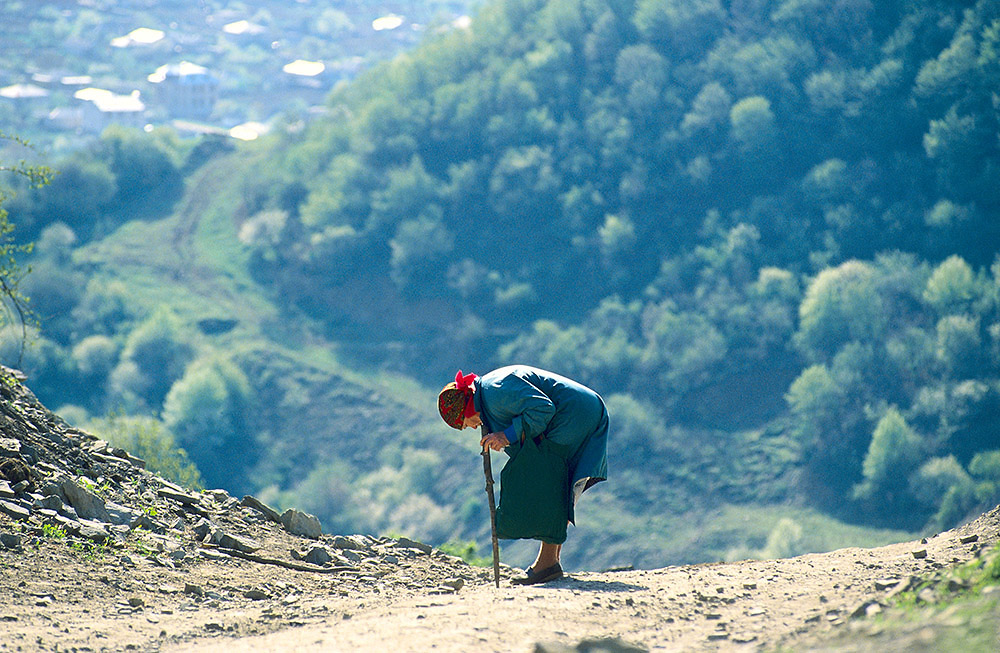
{"points": [[841, 304], [893, 455], [146, 438], [419, 252], [952, 287], [160, 347], [11, 273], [208, 409]]}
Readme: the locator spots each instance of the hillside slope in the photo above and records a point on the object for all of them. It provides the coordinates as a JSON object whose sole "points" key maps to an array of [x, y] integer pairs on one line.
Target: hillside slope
{"points": [[99, 554]]}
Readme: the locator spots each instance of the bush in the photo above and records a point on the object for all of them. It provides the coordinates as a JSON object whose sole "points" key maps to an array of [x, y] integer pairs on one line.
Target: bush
{"points": [[160, 347], [148, 439], [207, 409]]}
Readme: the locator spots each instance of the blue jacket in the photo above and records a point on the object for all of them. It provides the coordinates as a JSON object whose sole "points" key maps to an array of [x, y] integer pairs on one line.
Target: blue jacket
{"points": [[527, 402]]}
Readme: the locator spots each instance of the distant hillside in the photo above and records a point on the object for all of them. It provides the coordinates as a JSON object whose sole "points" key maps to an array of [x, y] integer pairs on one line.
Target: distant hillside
{"points": [[766, 233]]}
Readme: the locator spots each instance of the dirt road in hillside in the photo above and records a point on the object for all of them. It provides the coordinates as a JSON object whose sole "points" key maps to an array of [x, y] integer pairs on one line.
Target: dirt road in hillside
{"points": [[749, 605]]}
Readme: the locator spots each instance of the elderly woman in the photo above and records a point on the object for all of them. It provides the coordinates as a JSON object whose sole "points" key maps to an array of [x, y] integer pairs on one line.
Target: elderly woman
{"points": [[555, 432]]}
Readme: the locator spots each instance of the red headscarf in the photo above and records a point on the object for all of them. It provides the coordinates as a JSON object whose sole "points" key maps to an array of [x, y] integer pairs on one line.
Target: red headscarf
{"points": [[455, 400]]}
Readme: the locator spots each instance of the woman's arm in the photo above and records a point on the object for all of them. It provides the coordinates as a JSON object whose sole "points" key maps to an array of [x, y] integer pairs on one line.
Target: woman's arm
{"points": [[527, 408]]}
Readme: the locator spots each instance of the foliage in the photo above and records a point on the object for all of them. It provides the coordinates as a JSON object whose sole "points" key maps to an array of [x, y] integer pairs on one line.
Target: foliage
{"points": [[11, 274], [209, 411], [148, 439], [467, 551]]}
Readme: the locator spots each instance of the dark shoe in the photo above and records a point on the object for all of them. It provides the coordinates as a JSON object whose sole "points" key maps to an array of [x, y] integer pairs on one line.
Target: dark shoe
{"points": [[554, 572]]}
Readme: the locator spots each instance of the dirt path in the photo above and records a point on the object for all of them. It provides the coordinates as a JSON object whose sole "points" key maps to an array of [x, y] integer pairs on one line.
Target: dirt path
{"points": [[747, 605]]}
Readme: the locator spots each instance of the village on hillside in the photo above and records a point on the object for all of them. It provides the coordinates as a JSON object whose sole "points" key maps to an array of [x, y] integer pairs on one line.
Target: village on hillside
{"points": [[72, 68]]}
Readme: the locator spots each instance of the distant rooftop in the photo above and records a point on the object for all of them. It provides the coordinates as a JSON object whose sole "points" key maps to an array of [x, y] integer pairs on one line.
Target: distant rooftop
{"points": [[108, 102], [242, 27], [184, 71], [387, 22], [249, 131], [303, 68], [20, 91], [139, 36]]}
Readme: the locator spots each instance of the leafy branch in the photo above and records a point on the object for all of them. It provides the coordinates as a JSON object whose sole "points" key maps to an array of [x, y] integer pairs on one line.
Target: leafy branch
{"points": [[11, 273]]}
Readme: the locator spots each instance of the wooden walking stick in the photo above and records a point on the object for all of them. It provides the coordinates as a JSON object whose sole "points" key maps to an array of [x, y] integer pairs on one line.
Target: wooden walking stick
{"points": [[488, 470]]}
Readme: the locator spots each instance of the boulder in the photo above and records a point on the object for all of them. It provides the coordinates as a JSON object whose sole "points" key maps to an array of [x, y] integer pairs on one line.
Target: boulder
{"points": [[318, 555], [87, 504], [261, 507], [300, 523], [13, 510], [235, 542]]}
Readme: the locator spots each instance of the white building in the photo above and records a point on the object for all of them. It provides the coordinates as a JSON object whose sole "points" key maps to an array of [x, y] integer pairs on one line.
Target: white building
{"points": [[187, 90]]}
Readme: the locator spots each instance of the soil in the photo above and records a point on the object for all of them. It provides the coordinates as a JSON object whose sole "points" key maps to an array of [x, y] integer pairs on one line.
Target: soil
{"points": [[53, 597]]}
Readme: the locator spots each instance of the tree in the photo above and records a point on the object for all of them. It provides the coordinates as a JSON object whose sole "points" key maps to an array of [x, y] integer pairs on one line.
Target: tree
{"points": [[952, 287], [11, 274], [893, 455], [146, 438], [841, 304], [208, 409], [160, 347]]}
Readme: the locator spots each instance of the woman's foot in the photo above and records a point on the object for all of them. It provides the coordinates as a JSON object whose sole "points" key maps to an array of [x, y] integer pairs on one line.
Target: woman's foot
{"points": [[546, 575]]}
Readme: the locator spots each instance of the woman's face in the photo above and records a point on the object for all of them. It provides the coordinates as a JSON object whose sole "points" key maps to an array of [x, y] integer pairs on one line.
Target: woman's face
{"points": [[473, 422]]}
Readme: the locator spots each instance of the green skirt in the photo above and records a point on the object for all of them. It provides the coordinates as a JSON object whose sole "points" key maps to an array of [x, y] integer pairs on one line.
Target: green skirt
{"points": [[535, 493]]}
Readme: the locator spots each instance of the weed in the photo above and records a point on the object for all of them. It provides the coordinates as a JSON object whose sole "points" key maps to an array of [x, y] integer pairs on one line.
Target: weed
{"points": [[466, 551], [53, 531]]}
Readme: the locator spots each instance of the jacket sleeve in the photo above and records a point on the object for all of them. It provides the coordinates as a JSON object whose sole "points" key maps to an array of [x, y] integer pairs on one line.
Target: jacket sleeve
{"points": [[528, 408]]}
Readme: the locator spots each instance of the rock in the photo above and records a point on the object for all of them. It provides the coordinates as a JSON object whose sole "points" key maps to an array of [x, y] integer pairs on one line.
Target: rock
{"points": [[145, 522], [178, 495], [10, 540], [93, 530], [317, 555], [13, 510], [919, 554], [195, 590], [862, 610], [87, 504], [255, 594], [5, 491], [120, 514], [235, 542], [203, 528], [51, 502], [136, 602], [261, 507], [968, 539], [883, 584], [69, 512], [13, 470], [353, 556], [407, 543], [903, 586], [454, 583], [350, 544], [300, 523]]}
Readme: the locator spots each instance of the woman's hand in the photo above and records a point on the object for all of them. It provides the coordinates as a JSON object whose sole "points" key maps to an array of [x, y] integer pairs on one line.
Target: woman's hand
{"points": [[495, 441]]}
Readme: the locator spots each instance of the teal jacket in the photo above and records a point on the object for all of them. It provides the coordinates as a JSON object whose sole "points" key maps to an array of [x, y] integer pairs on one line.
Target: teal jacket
{"points": [[531, 403]]}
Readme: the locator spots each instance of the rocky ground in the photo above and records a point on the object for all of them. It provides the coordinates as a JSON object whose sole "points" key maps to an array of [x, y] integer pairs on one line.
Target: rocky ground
{"points": [[98, 554]]}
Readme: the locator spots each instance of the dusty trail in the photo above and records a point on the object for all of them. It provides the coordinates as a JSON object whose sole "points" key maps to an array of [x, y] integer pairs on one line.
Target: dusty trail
{"points": [[748, 605]]}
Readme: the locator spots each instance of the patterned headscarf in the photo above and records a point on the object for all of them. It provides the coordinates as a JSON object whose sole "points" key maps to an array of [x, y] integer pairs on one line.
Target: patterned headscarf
{"points": [[455, 400]]}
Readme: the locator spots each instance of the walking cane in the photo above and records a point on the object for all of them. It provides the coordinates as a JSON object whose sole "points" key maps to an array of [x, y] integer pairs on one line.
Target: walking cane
{"points": [[488, 470]]}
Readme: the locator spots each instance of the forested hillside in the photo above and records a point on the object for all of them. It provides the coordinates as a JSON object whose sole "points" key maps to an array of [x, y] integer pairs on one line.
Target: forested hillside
{"points": [[766, 232]]}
